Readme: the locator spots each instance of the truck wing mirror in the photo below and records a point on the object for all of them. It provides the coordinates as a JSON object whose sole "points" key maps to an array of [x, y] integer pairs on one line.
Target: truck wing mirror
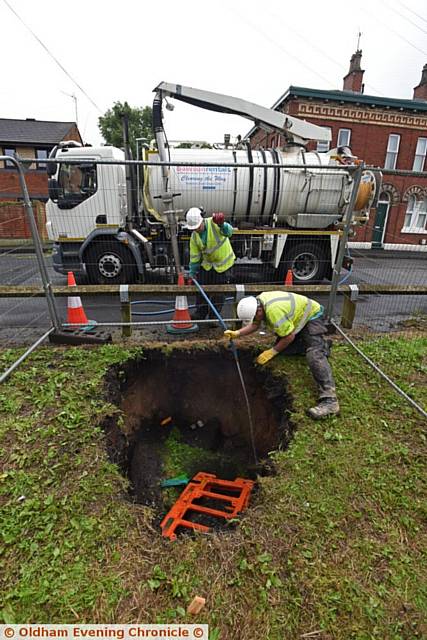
{"points": [[51, 167]]}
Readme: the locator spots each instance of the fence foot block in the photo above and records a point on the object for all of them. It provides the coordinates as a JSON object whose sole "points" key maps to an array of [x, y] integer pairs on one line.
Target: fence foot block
{"points": [[78, 336]]}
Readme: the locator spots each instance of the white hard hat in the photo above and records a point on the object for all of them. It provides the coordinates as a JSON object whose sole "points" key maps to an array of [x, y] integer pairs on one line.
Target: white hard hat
{"points": [[246, 309], [194, 218]]}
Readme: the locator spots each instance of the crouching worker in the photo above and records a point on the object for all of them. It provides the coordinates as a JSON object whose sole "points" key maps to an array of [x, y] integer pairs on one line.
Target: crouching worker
{"points": [[211, 255], [299, 326]]}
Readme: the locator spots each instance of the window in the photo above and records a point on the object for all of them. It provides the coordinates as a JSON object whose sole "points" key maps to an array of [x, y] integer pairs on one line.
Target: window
{"points": [[76, 183], [420, 154], [323, 145], [343, 139], [9, 151], [42, 154], [416, 216], [392, 151]]}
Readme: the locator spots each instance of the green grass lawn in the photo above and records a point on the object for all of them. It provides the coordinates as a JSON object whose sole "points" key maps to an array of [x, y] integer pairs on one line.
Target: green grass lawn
{"points": [[334, 545]]}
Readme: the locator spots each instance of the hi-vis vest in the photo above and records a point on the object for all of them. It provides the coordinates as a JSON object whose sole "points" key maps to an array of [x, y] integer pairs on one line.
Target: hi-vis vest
{"points": [[287, 313], [218, 252]]}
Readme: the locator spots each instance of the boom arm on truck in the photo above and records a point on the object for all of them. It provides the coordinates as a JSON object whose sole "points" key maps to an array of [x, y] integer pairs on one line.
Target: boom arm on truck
{"points": [[294, 129], [285, 206]]}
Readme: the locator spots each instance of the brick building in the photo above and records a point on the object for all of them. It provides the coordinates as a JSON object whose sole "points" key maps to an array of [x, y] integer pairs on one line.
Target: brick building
{"points": [[388, 133], [28, 138]]}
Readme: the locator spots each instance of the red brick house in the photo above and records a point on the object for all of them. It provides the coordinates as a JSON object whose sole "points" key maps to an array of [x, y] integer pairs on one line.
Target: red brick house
{"points": [[28, 138], [389, 133]]}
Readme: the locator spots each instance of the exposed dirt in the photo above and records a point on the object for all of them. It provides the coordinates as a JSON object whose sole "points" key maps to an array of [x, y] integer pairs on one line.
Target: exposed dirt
{"points": [[189, 385]]}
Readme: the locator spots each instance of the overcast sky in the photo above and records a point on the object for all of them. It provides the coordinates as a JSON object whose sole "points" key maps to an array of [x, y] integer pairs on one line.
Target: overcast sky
{"points": [[246, 48]]}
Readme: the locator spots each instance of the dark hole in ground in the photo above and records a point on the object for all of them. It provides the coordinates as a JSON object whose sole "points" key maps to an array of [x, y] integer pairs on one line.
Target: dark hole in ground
{"points": [[190, 386]]}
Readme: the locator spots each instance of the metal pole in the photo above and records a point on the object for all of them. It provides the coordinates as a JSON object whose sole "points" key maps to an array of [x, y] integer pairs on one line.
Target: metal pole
{"points": [[382, 374], [50, 298], [343, 244], [16, 364]]}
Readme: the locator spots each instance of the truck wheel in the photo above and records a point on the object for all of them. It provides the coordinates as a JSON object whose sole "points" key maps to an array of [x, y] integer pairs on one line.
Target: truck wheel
{"points": [[308, 262], [110, 263]]}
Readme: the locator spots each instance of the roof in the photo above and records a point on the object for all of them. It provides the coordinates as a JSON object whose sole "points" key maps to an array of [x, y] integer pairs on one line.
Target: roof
{"points": [[354, 97], [33, 131], [350, 97]]}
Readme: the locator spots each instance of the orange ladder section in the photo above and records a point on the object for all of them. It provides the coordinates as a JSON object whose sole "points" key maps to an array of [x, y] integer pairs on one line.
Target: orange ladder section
{"points": [[233, 493]]}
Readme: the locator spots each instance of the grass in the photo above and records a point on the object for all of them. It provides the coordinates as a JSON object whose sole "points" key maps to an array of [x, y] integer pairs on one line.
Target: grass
{"points": [[333, 546]]}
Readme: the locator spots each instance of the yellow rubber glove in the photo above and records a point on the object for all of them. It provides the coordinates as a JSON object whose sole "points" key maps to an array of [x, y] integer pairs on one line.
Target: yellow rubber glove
{"points": [[231, 335], [265, 356]]}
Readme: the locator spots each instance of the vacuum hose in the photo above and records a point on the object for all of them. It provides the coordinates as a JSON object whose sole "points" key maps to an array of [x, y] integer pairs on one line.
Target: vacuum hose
{"points": [[236, 358]]}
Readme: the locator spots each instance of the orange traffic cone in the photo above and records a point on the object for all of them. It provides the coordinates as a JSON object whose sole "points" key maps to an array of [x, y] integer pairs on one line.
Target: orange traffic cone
{"points": [[75, 311], [289, 278], [181, 313]]}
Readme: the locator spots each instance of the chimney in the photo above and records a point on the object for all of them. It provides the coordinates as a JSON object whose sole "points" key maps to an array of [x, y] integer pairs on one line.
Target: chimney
{"points": [[353, 79], [420, 91]]}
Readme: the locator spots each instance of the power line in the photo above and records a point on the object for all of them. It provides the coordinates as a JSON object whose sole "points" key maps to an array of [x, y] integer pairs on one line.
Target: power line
{"points": [[391, 8], [413, 12], [52, 56], [276, 44], [396, 33], [317, 48]]}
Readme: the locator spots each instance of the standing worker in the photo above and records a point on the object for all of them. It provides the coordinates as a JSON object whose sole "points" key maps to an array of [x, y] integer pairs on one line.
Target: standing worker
{"points": [[211, 255], [297, 321]]}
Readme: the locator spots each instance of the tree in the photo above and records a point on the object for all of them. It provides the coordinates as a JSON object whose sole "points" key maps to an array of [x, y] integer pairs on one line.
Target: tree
{"points": [[192, 145], [140, 124]]}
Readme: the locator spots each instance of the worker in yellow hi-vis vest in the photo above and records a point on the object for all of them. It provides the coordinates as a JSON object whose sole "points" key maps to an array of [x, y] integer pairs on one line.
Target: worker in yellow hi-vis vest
{"points": [[211, 255], [299, 326]]}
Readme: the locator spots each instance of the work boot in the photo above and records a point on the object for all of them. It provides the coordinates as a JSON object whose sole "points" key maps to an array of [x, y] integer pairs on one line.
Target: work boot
{"points": [[326, 407]]}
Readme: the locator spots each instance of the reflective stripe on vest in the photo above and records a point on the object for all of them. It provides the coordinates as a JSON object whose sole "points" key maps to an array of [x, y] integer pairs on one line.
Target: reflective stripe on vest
{"points": [[289, 315], [199, 251], [218, 240], [303, 321]]}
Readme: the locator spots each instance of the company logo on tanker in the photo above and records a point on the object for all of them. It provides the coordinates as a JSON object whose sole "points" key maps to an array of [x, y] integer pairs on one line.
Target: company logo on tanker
{"points": [[206, 177]]}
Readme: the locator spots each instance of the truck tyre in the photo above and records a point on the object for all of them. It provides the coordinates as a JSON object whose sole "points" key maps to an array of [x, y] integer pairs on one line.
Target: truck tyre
{"points": [[110, 263], [307, 260]]}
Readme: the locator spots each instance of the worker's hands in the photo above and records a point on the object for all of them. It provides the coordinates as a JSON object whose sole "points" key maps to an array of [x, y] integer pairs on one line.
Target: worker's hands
{"points": [[187, 277], [231, 335], [218, 218], [265, 356]]}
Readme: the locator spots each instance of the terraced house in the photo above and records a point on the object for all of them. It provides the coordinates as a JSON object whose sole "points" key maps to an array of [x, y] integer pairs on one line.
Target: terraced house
{"points": [[389, 133], [28, 138]]}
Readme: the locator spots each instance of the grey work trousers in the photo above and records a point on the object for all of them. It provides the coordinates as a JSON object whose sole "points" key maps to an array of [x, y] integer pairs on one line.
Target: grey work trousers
{"points": [[203, 310], [310, 341]]}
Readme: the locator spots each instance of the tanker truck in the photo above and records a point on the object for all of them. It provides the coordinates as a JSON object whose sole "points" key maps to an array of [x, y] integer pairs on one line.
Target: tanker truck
{"points": [[122, 221]]}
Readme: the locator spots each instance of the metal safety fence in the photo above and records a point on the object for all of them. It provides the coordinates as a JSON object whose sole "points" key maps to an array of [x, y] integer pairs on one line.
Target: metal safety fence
{"points": [[111, 235]]}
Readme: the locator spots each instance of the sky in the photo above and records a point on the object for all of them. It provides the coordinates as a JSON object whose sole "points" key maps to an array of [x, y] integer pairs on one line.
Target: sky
{"points": [[102, 52]]}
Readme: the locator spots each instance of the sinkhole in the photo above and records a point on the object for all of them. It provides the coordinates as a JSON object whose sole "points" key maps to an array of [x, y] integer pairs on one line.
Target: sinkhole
{"points": [[184, 412]]}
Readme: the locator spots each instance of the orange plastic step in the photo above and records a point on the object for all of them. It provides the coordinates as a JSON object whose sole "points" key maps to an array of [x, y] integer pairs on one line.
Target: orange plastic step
{"points": [[233, 493]]}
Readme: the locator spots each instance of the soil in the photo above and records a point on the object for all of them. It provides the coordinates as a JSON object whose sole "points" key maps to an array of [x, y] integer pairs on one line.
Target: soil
{"points": [[190, 385]]}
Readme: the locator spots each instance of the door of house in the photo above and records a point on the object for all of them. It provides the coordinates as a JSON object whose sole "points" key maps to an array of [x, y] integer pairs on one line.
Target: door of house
{"points": [[380, 221]]}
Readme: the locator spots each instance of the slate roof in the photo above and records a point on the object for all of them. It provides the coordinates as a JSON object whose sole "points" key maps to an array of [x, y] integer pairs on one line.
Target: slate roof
{"points": [[352, 97], [37, 132]]}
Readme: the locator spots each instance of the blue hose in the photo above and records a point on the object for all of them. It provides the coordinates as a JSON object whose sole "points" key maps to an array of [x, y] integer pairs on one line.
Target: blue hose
{"points": [[161, 302], [236, 358], [214, 309]]}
